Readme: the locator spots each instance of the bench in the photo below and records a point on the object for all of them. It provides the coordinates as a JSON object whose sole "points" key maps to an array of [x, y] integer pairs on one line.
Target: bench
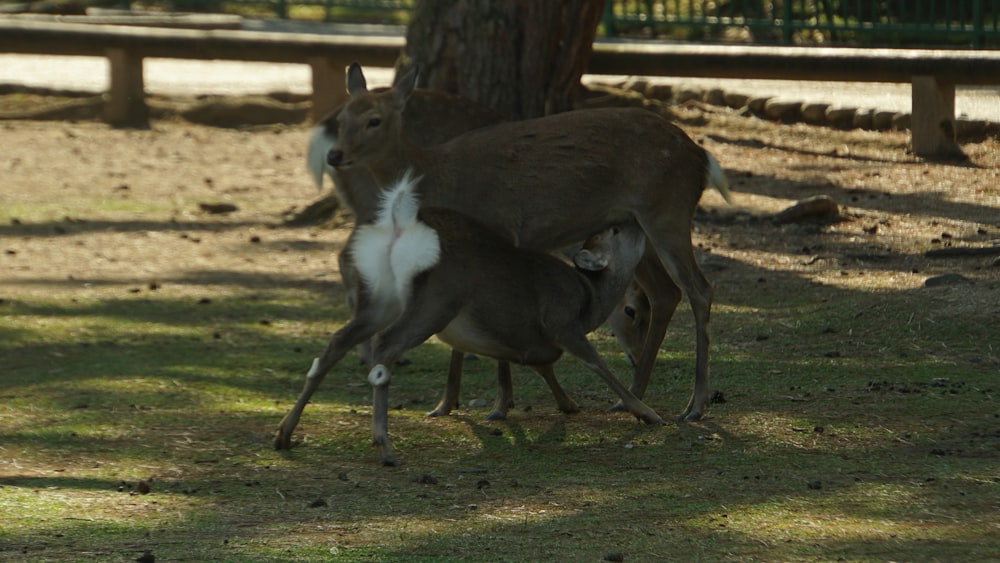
{"points": [[932, 74]]}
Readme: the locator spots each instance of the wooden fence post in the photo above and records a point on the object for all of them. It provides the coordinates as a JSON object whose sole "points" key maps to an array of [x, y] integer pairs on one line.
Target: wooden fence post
{"points": [[126, 106], [329, 85], [932, 124]]}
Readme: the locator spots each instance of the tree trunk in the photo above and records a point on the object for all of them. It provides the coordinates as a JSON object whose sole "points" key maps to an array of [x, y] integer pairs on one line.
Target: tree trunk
{"points": [[521, 58]]}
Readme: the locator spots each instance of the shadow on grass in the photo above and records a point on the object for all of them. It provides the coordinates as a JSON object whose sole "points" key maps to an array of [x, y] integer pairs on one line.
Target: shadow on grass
{"points": [[739, 483]]}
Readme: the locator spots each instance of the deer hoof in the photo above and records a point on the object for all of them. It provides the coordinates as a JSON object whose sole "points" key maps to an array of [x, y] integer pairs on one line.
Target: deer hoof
{"points": [[617, 407], [653, 419], [571, 408], [282, 442], [497, 415], [692, 416]]}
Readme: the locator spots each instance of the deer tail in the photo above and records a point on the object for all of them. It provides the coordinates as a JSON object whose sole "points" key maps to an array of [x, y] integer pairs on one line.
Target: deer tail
{"points": [[716, 178]]}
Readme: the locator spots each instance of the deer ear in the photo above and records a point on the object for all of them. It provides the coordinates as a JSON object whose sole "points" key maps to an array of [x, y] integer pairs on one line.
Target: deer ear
{"points": [[587, 259], [405, 83], [403, 70], [356, 83]]}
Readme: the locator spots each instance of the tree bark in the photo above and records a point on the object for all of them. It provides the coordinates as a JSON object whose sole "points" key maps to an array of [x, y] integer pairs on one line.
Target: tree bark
{"points": [[521, 58]]}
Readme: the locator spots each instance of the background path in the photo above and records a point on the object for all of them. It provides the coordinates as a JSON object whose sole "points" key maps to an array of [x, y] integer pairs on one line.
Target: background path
{"points": [[187, 77]]}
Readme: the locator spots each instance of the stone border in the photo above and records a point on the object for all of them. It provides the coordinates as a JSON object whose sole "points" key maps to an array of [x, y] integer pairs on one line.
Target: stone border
{"points": [[225, 110], [812, 113]]}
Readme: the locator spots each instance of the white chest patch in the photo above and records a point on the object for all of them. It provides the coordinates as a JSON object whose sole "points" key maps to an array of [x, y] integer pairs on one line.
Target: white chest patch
{"points": [[394, 249]]}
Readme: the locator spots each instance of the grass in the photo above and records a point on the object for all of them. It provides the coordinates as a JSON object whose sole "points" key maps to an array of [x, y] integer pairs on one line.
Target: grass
{"points": [[807, 459]]}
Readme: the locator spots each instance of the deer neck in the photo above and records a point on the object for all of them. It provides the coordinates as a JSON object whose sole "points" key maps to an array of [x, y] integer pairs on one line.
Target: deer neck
{"points": [[608, 286], [398, 158], [357, 190]]}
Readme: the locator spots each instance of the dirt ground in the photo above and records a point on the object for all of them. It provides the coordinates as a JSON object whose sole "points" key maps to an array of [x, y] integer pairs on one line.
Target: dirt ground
{"points": [[88, 178]]}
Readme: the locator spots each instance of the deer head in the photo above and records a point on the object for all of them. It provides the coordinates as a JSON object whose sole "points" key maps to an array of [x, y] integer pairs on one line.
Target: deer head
{"points": [[368, 122]]}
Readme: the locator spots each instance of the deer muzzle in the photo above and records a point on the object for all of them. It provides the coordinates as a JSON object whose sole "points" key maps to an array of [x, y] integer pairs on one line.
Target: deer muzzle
{"points": [[335, 157]]}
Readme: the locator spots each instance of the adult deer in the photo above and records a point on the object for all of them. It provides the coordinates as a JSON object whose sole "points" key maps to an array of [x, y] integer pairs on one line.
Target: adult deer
{"points": [[442, 272], [546, 183], [430, 118]]}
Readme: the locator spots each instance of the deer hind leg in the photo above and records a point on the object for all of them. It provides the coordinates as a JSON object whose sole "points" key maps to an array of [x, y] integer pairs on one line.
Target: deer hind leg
{"points": [[505, 393], [451, 390], [673, 247], [663, 295], [379, 377], [579, 346], [424, 316], [352, 288], [360, 328], [563, 401]]}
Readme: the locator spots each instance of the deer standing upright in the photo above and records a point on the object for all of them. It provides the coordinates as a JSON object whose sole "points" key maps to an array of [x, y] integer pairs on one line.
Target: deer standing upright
{"points": [[430, 118], [546, 183]]}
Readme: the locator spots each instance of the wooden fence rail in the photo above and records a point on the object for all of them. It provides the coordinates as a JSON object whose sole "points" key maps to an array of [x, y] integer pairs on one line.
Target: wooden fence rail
{"points": [[932, 74], [870, 23], [127, 46]]}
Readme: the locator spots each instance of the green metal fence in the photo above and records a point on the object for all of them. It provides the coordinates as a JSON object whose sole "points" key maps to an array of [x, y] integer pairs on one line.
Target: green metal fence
{"points": [[970, 23], [366, 9], [951, 23]]}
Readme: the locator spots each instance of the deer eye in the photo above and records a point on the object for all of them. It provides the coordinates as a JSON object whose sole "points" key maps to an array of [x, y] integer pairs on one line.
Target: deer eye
{"points": [[629, 312], [374, 122]]}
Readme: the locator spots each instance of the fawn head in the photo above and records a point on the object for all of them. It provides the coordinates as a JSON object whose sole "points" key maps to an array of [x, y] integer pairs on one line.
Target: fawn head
{"points": [[630, 320], [619, 248], [371, 124]]}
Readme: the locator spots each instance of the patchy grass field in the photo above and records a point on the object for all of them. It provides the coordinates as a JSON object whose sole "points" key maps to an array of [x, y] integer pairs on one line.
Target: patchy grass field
{"points": [[148, 349]]}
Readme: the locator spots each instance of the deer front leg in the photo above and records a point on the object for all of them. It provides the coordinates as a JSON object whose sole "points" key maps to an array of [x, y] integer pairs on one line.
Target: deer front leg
{"points": [[664, 295], [379, 377], [578, 345]]}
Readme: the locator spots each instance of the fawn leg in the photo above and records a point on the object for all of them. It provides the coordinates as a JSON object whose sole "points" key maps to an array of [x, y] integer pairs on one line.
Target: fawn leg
{"points": [[360, 328], [379, 377], [578, 345], [423, 317]]}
